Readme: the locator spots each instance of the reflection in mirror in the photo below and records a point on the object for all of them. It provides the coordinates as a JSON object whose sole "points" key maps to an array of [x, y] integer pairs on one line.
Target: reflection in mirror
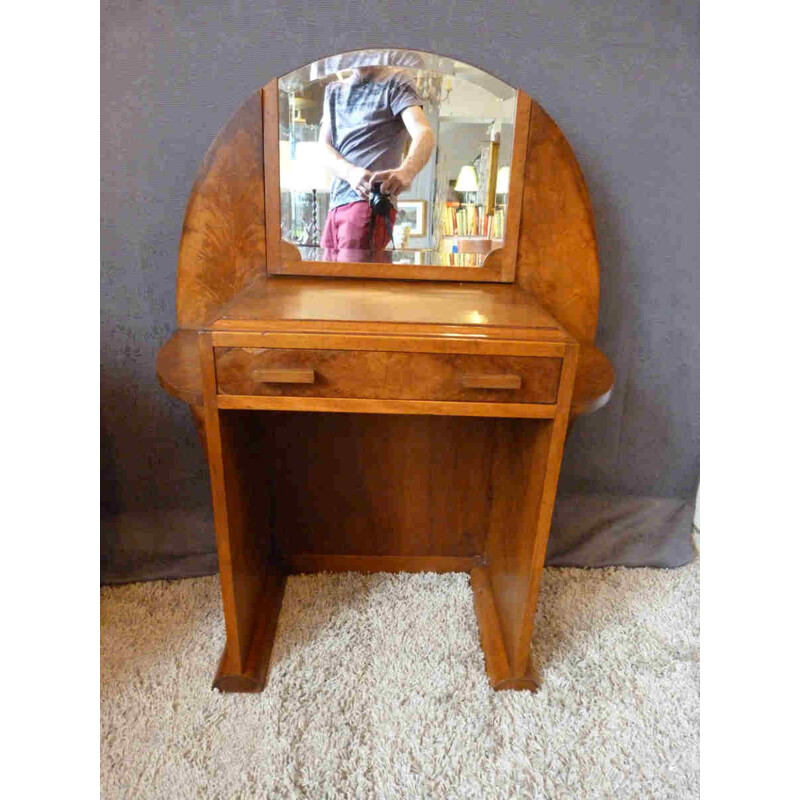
{"points": [[394, 156]]}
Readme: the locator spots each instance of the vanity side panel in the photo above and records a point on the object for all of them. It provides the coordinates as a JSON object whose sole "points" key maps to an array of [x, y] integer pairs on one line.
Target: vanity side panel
{"points": [[518, 479], [251, 580], [223, 242], [253, 565], [525, 471], [557, 253]]}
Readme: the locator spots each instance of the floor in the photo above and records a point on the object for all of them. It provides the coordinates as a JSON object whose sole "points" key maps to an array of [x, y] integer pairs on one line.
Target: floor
{"points": [[378, 690]]}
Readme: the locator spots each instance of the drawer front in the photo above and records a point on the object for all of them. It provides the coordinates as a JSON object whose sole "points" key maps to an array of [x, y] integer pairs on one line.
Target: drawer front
{"points": [[485, 379], [300, 373], [386, 375]]}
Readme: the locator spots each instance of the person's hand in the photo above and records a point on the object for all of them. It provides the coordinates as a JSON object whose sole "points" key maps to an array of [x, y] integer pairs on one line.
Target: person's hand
{"points": [[361, 180], [393, 181]]}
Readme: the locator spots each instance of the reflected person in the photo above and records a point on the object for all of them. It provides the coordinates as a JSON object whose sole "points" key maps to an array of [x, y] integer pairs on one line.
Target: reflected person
{"points": [[367, 120]]}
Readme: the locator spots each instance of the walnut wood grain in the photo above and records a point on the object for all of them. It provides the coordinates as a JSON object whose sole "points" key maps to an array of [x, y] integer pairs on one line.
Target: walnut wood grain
{"points": [[337, 373], [526, 465], [594, 381], [354, 405], [400, 465], [276, 249], [424, 376], [387, 375], [178, 367], [372, 485], [519, 469], [480, 309], [251, 580], [199, 420], [463, 343], [252, 675], [489, 381], [223, 242], [283, 375], [557, 255], [494, 650]]}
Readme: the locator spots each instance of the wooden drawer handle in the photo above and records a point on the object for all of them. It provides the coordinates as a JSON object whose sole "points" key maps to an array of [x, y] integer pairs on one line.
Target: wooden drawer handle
{"points": [[284, 375], [491, 381]]}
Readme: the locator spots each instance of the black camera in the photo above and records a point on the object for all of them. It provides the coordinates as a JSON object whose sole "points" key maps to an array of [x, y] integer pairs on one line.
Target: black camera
{"points": [[380, 203]]}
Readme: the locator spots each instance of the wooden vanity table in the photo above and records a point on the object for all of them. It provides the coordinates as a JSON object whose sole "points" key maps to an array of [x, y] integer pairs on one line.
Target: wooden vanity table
{"points": [[361, 421]]}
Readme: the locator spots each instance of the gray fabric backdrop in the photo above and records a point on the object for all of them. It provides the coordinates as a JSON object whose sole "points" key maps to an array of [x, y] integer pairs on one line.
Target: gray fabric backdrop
{"points": [[620, 77]]}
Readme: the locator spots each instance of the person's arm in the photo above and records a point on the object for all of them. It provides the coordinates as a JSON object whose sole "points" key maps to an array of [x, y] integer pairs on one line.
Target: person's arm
{"points": [[358, 177], [395, 181]]}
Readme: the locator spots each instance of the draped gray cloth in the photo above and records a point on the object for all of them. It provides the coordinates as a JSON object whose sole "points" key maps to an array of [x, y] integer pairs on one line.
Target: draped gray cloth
{"points": [[621, 79]]}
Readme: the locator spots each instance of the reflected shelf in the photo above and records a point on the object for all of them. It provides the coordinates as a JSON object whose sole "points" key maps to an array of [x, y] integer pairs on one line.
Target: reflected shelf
{"points": [[426, 257]]}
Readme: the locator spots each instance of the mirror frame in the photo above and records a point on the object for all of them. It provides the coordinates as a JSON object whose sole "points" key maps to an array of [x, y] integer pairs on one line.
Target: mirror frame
{"points": [[283, 258]]}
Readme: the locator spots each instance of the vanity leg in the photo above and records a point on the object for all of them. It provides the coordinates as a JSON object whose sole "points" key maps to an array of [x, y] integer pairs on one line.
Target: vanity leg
{"points": [[251, 577], [250, 574], [498, 669], [525, 469]]}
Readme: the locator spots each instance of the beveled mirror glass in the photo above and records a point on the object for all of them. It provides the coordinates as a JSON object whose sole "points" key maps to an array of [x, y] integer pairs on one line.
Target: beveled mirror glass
{"points": [[394, 157]]}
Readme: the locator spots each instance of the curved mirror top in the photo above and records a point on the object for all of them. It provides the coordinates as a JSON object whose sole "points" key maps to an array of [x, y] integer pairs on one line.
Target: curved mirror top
{"points": [[394, 156]]}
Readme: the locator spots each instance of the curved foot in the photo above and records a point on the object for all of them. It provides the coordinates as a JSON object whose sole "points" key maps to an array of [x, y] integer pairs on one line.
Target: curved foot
{"points": [[237, 683], [229, 679], [530, 681], [498, 670]]}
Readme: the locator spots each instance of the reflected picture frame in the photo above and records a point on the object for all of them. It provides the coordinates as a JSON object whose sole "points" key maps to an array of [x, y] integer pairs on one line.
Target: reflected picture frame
{"points": [[415, 210]]}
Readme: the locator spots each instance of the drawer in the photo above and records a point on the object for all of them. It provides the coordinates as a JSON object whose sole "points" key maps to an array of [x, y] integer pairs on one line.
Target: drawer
{"points": [[386, 375], [486, 379], [300, 373]]}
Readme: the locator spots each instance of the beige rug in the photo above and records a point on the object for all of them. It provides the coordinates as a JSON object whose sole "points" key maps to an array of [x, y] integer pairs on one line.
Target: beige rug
{"points": [[378, 690]]}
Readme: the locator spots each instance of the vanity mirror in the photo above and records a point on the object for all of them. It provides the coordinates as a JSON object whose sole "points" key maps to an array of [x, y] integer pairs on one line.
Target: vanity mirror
{"points": [[394, 163]]}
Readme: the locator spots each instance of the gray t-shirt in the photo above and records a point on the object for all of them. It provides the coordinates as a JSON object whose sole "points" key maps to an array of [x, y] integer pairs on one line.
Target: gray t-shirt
{"points": [[365, 124]]}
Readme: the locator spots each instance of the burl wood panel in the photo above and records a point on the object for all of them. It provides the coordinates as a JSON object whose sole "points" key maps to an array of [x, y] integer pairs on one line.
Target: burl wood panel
{"points": [[337, 373], [362, 484], [557, 254], [223, 243], [439, 377], [383, 375]]}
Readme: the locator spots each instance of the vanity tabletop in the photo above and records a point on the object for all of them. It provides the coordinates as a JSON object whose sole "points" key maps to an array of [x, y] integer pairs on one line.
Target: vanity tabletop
{"points": [[381, 306], [415, 308]]}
